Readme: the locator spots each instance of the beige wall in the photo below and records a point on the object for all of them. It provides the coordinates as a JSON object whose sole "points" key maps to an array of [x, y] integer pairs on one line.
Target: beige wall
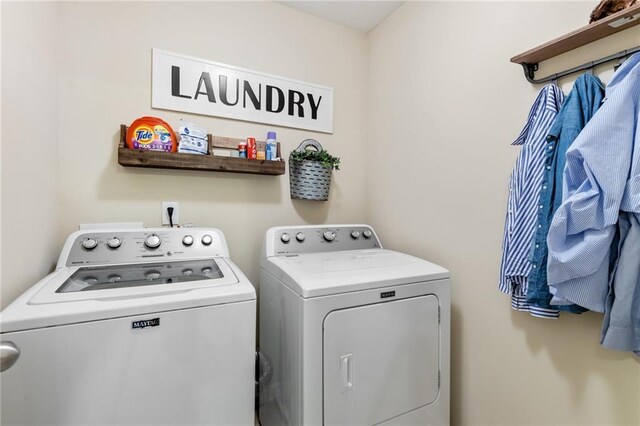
{"points": [[104, 56], [432, 181], [29, 151], [445, 104]]}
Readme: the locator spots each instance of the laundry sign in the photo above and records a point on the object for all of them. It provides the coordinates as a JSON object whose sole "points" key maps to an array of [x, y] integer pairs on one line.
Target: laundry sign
{"points": [[187, 84]]}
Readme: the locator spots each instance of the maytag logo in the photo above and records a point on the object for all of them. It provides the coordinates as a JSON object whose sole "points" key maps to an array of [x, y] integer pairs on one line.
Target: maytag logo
{"points": [[386, 294], [146, 323]]}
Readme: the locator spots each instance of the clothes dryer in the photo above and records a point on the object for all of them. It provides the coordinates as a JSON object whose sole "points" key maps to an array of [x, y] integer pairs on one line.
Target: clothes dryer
{"points": [[135, 326], [353, 334]]}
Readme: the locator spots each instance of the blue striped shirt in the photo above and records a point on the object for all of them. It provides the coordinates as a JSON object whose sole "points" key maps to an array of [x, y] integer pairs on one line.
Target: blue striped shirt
{"points": [[601, 177], [522, 205]]}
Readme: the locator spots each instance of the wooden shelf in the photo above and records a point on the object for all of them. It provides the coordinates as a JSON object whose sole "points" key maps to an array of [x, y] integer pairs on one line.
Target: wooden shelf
{"points": [[212, 163], [621, 21]]}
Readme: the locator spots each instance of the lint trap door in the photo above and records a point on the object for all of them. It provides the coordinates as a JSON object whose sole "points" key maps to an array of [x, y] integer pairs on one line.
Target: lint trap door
{"points": [[380, 361]]}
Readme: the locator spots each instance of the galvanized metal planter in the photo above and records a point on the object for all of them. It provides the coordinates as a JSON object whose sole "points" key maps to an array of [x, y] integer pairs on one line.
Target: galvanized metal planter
{"points": [[309, 180]]}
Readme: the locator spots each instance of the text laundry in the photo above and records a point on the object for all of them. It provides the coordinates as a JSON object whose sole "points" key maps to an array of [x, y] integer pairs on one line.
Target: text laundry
{"points": [[234, 91]]}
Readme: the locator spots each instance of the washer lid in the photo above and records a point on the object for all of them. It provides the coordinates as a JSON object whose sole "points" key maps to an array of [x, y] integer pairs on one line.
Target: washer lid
{"points": [[320, 274], [134, 280], [80, 294]]}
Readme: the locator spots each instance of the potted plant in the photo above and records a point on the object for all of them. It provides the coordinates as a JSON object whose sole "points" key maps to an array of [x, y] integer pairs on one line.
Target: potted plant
{"points": [[310, 168]]}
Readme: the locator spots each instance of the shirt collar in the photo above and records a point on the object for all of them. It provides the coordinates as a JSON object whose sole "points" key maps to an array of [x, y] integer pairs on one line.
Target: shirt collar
{"points": [[549, 99], [622, 72]]}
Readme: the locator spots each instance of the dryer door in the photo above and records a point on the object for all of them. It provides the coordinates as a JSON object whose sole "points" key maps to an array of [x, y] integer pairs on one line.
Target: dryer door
{"points": [[380, 361]]}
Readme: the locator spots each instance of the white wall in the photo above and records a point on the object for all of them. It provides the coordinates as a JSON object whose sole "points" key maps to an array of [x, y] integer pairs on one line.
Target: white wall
{"points": [[445, 105], [29, 151], [104, 56]]}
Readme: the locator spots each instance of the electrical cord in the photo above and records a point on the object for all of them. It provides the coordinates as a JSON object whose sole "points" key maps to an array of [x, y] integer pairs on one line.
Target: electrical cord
{"points": [[170, 213]]}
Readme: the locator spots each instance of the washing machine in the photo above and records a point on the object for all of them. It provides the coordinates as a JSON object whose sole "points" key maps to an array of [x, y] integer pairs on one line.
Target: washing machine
{"points": [[134, 327], [351, 333]]}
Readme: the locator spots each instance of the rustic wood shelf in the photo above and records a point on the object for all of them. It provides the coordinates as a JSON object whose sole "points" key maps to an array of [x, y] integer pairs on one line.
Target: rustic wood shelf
{"points": [[589, 33], [181, 161], [621, 21]]}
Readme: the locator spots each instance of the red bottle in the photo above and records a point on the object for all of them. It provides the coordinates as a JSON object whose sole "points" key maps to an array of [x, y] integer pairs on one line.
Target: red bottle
{"points": [[252, 152]]}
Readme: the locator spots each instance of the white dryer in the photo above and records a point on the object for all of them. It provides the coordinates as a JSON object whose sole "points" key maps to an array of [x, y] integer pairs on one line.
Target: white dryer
{"points": [[353, 334], [134, 327]]}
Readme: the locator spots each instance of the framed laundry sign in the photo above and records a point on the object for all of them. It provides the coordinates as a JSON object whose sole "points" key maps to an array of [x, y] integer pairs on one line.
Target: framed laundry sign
{"points": [[188, 84]]}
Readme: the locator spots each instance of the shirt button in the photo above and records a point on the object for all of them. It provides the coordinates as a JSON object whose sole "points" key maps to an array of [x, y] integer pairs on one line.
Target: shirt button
{"points": [[539, 226], [544, 186], [534, 266], [550, 146], [548, 167], [537, 245], [540, 206]]}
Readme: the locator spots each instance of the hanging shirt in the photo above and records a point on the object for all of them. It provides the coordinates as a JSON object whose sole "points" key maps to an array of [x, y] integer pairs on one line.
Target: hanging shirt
{"points": [[601, 178], [522, 205], [622, 306], [583, 101]]}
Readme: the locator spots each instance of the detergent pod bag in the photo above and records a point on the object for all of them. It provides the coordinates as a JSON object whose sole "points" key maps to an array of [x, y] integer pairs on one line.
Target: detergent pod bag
{"points": [[193, 139], [153, 134]]}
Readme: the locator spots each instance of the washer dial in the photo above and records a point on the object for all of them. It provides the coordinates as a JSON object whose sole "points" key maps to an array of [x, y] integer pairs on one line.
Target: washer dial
{"points": [[187, 240], [207, 240], [367, 234], [114, 243], [355, 235], [329, 236], [285, 238], [300, 237], [90, 243], [152, 241]]}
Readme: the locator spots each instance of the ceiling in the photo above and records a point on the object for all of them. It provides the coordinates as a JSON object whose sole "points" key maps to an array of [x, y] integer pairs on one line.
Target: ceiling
{"points": [[360, 15]]}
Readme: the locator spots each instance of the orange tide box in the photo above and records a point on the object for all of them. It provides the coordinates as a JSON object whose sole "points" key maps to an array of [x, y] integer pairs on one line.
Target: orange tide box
{"points": [[151, 133]]}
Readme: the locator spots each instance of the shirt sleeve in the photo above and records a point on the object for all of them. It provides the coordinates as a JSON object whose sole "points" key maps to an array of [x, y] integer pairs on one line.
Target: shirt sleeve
{"points": [[595, 176]]}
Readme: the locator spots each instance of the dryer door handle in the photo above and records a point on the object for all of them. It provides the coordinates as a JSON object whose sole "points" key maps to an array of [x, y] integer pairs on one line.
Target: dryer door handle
{"points": [[9, 354], [346, 372]]}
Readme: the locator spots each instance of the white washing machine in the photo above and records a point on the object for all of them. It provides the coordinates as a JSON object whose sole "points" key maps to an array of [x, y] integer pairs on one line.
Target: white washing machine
{"points": [[134, 327], [352, 334]]}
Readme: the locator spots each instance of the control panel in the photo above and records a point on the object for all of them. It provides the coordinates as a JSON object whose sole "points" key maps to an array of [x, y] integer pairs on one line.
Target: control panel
{"points": [[105, 247], [312, 239]]}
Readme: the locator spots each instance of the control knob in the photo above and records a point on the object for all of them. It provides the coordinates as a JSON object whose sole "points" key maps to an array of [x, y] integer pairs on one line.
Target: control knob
{"points": [[152, 241], [367, 234], [285, 238], [329, 236], [187, 240], [90, 243], [207, 240], [114, 243], [300, 237], [152, 274], [355, 235]]}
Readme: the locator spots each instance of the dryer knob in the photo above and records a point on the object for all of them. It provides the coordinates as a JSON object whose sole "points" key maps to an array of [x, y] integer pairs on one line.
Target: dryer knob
{"points": [[187, 240], [367, 234], [300, 237], [285, 238], [114, 243], [207, 240], [90, 243], [329, 236], [355, 235], [153, 241]]}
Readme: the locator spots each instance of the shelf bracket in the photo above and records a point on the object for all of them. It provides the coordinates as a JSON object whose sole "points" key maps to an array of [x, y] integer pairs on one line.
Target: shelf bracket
{"points": [[530, 69]]}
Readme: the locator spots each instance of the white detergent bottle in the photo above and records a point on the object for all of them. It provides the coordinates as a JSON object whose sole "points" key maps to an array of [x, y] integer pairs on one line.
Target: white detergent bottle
{"points": [[272, 146]]}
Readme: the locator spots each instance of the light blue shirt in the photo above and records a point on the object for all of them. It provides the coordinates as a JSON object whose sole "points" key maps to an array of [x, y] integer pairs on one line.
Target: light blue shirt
{"points": [[601, 177]]}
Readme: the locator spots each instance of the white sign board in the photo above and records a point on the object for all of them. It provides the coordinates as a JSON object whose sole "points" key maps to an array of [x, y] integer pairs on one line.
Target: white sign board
{"points": [[187, 84]]}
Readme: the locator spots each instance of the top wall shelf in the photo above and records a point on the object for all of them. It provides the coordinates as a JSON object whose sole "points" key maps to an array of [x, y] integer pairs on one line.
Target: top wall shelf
{"points": [[610, 25]]}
